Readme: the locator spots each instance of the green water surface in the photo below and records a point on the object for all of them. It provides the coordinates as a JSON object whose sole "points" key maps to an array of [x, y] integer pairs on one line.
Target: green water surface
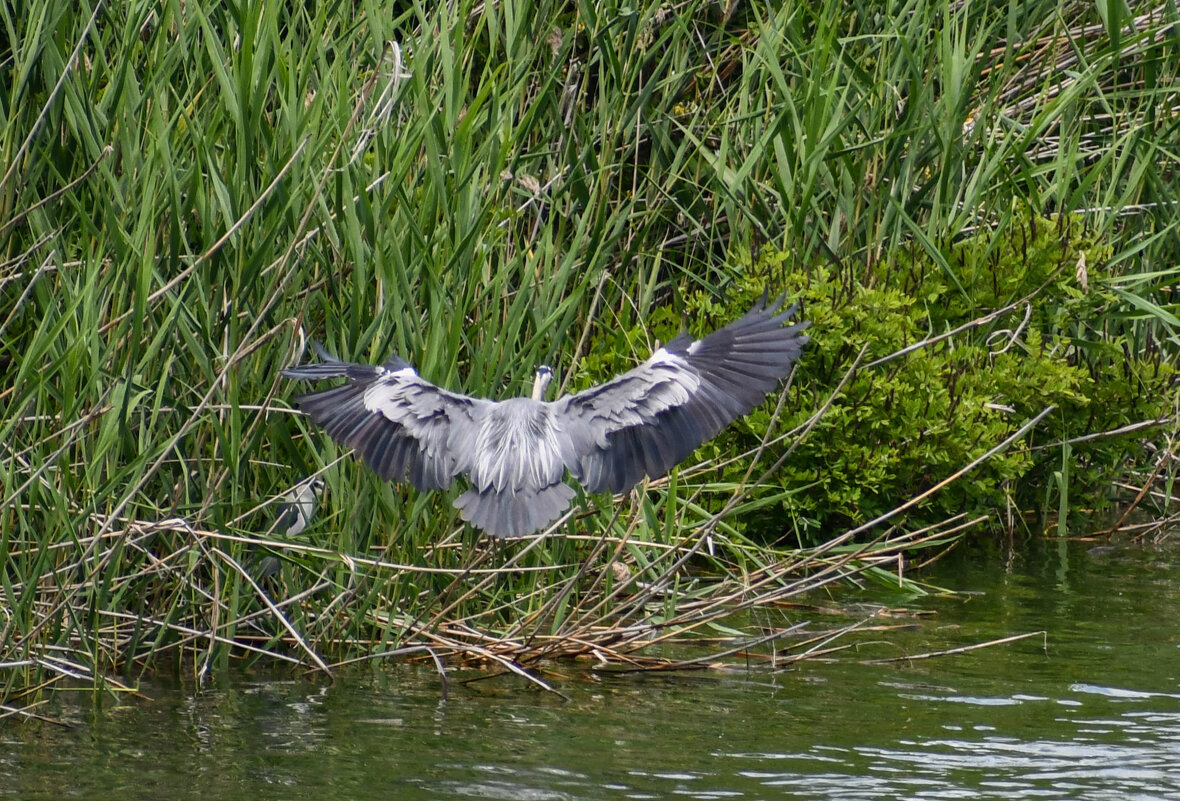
{"points": [[1095, 715]]}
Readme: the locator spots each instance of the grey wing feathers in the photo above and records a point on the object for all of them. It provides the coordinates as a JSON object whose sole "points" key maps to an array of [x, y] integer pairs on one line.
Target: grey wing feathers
{"points": [[398, 446], [690, 391]]}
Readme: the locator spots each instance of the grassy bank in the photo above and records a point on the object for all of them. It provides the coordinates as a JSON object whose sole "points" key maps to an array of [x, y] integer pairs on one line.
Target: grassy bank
{"points": [[977, 204]]}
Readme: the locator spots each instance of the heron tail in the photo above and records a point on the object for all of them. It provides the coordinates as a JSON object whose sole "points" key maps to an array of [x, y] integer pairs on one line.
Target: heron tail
{"points": [[508, 515]]}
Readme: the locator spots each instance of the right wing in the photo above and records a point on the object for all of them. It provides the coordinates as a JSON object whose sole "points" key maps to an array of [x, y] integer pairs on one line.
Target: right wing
{"points": [[403, 426]]}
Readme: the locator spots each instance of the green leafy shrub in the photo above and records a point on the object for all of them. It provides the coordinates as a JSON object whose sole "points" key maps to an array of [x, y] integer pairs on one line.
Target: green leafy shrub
{"points": [[900, 427]]}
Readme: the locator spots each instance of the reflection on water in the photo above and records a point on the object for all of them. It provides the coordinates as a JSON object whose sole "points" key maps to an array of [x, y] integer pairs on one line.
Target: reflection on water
{"points": [[1095, 715]]}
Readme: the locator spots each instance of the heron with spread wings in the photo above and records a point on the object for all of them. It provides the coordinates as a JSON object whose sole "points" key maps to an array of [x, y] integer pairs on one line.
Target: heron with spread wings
{"points": [[515, 453]]}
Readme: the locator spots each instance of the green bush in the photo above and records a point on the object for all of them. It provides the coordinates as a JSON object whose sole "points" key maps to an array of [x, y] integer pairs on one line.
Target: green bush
{"points": [[899, 428]]}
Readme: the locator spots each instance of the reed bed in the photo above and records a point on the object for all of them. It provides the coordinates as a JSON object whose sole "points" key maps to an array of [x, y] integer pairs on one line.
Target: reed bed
{"points": [[189, 192]]}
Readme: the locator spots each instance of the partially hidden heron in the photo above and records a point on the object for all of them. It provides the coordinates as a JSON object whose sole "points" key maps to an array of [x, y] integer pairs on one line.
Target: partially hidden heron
{"points": [[295, 511], [298, 506], [515, 453]]}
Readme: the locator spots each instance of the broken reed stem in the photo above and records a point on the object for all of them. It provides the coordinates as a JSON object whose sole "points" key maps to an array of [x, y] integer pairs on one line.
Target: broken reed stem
{"points": [[960, 650], [1164, 460]]}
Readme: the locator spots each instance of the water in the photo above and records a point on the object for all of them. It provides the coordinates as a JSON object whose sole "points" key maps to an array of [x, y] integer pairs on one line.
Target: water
{"points": [[1095, 715]]}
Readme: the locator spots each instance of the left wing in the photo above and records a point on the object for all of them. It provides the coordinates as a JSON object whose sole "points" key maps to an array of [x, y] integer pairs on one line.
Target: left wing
{"points": [[650, 418]]}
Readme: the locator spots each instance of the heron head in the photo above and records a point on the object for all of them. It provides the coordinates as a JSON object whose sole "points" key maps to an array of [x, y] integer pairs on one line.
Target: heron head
{"points": [[541, 382]]}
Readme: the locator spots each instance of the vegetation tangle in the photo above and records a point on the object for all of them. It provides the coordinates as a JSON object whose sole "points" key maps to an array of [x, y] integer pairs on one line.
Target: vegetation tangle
{"points": [[975, 202]]}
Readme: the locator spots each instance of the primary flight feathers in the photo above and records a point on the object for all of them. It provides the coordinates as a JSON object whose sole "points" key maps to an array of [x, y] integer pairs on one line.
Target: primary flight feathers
{"points": [[516, 452]]}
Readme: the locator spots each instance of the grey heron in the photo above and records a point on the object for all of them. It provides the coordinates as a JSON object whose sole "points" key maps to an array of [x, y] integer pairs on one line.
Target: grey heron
{"points": [[298, 506], [515, 453], [296, 509]]}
